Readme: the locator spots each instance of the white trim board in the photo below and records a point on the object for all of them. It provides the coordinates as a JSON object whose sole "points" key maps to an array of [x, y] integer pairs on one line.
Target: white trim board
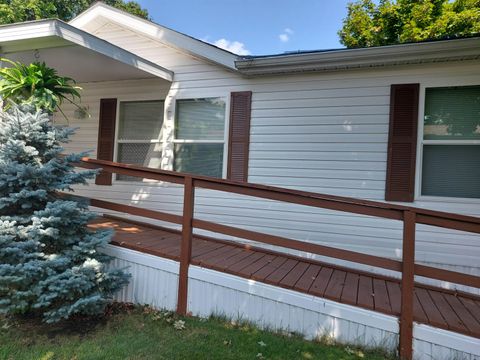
{"points": [[294, 298], [138, 257]]}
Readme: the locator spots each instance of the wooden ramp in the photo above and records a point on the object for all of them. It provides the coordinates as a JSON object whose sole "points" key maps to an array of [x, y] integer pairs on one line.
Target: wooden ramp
{"points": [[458, 312]]}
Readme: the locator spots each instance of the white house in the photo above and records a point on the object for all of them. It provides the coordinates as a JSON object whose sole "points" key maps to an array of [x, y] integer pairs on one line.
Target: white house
{"points": [[396, 124]]}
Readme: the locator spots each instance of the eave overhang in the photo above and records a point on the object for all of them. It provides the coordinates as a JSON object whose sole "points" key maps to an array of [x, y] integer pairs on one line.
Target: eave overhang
{"points": [[345, 59], [49, 34]]}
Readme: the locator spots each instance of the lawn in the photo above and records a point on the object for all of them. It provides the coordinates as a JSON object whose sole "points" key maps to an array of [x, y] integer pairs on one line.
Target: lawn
{"points": [[142, 333]]}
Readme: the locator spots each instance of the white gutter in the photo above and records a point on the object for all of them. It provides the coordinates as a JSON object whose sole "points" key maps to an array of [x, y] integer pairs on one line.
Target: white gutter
{"points": [[53, 33], [436, 51]]}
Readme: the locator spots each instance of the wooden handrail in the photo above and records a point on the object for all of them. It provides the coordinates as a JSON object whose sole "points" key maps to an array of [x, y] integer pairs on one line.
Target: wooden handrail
{"points": [[365, 207], [410, 216], [338, 203]]}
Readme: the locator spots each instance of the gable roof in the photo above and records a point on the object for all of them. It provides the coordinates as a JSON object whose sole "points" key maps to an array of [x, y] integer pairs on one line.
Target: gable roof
{"points": [[99, 14], [51, 33], [318, 61]]}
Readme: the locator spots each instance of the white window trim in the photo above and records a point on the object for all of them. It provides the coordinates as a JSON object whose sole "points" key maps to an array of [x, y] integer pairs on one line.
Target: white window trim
{"points": [[421, 142], [226, 98]]}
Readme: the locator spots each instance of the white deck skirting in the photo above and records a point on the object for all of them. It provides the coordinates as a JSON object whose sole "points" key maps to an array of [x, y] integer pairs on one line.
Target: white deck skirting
{"points": [[155, 282]]}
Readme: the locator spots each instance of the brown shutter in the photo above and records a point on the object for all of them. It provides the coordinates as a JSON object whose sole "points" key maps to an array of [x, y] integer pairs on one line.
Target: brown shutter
{"points": [[106, 137], [239, 139], [402, 143]]}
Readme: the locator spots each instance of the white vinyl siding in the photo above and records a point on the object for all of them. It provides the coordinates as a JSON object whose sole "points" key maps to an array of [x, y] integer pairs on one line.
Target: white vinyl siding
{"points": [[326, 133]]}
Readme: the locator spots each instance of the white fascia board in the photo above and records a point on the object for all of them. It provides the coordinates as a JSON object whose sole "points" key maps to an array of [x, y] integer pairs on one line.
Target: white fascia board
{"points": [[446, 50], [27, 30], [58, 33], [182, 42]]}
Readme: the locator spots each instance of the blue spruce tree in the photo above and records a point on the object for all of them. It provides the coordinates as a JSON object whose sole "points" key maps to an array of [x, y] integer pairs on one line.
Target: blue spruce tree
{"points": [[50, 263]]}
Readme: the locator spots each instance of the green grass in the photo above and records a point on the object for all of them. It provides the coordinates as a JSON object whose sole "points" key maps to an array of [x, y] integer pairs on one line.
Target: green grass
{"points": [[142, 333]]}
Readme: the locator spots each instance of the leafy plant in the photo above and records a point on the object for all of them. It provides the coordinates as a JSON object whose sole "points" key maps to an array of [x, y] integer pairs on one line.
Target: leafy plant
{"points": [[37, 85]]}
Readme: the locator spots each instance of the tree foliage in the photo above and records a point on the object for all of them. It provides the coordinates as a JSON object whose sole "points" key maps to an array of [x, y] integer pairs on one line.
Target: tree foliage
{"points": [[12, 11], [399, 21], [50, 261]]}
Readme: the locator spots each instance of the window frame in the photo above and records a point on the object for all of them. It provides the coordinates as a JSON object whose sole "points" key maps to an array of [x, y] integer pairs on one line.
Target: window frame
{"points": [[121, 100], [226, 132], [421, 142], [169, 116]]}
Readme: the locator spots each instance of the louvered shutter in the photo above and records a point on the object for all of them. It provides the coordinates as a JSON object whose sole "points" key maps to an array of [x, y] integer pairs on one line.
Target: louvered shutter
{"points": [[106, 137], [239, 139], [402, 143]]}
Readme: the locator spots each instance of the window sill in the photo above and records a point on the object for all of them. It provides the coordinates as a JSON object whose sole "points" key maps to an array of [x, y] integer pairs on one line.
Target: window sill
{"points": [[445, 199]]}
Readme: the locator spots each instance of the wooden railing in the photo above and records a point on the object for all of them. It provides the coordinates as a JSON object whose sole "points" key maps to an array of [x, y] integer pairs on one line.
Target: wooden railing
{"points": [[410, 216]]}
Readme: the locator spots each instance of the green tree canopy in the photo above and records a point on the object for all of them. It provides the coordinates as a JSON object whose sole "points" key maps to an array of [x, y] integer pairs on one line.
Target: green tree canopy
{"points": [[398, 21], [12, 11]]}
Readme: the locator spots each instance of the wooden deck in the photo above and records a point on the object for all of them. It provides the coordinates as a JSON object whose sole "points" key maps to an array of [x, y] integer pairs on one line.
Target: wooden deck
{"points": [[437, 307]]}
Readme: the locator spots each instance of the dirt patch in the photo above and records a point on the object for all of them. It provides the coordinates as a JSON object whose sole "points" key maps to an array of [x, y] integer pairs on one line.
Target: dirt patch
{"points": [[75, 326]]}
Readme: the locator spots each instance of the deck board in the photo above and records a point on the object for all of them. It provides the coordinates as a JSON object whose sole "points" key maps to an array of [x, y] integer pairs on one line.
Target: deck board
{"points": [[365, 292], [433, 306], [335, 285], [453, 321], [395, 296], [257, 265], [267, 270], [350, 290], [463, 314], [321, 282], [293, 276], [254, 256], [431, 311], [307, 279], [276, 276], [381, 299], [418, 312], [471, 306], [232, 260]]}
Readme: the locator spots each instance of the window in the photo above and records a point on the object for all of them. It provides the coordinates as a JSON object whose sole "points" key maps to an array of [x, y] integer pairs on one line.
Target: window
{"points": [[451, 142], [140, 135], [200, 136]]}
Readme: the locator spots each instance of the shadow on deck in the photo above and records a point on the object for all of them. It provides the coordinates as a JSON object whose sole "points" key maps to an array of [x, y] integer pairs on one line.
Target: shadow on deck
{"points": [[441, 308]]}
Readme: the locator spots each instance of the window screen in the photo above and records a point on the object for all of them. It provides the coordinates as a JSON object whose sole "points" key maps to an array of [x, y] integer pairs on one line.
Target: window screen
{"points": [[200, 159], [452, 113], [200, 119], [140, 120], [140, 135], [451, 170]]}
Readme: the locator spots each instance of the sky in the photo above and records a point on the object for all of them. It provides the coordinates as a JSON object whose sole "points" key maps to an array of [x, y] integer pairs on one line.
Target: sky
{"points": [[254, 27]]}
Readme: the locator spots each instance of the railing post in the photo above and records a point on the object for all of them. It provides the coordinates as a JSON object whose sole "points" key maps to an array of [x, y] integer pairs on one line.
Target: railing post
{"points": [[186, 245], [408, 274]]}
